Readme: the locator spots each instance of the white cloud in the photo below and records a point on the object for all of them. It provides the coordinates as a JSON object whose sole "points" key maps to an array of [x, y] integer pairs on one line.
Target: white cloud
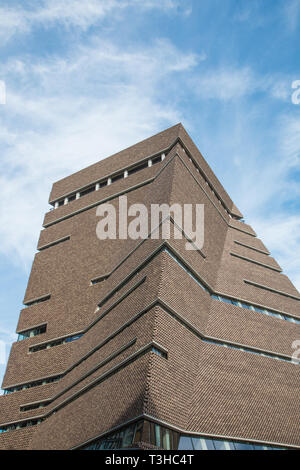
{"points": [[75, 13], [6, 339], [229, 83], [7, 336], [264, 184], [281, 90], [225, 84], [281, 234], [64, 114], [291, 138], [11, 21]]}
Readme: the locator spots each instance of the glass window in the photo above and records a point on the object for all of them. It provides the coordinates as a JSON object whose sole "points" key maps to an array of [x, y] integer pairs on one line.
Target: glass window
{"points": [[128, 436], [163, 438], [117, 177], [243, 446], [157, 435], [152, 434], [223, 445], [133, 170], [156, 160], [138, 432], [113, 442], [87, 191], [72, 338], [245, 305], [227, 301], [185, 443], [259, 310], [166, 439], [200, 443], [159, 352], [30, 333], [176, 437]]}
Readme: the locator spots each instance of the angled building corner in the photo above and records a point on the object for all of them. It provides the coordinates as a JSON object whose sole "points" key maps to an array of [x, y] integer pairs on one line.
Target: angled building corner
{"points": [[142, 343]]}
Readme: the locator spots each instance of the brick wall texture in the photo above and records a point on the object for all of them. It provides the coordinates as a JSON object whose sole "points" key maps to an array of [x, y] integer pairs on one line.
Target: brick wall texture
{"points": [[110, 375]]}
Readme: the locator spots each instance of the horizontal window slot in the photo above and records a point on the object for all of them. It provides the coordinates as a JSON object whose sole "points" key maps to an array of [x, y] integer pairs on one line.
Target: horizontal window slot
{"points": [[87, 191], [156, 160], [38, 330], [35, 383], [99, 279], [97, 203], [119, 287], [56, 242], [281, 316], [118, 177], [143, 165], [265, 311], [37, 301], [114, 370], [112, 178], [251, 247], [220, 342], [186, 269], [94, 369], [270, 289], [137, 168], [159, 352], [53, 343], [246, 349], [250, 260], [34, 406], [20, 425], [168, 438]]}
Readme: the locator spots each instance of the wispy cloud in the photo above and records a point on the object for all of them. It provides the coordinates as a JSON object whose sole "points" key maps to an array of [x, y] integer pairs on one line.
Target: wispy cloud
{"points": [[63, 114], [265, 182], [231, 83], [282, 234], [6, 339], [291, 138], [7, 336], [71, 13], [225, 83]]}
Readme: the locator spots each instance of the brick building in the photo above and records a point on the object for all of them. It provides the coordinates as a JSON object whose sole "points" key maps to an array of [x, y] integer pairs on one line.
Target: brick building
{"points": [[142, 343]]}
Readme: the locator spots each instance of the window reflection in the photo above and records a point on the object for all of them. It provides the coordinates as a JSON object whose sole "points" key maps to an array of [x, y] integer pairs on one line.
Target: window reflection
{"points": [[165, 438]]}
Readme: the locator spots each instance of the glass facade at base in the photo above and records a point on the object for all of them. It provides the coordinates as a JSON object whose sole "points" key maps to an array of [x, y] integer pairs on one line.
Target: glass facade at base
{"points": [[165, 438]]}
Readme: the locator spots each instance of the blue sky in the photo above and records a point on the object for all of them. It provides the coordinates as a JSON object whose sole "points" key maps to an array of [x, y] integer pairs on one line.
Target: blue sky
{"points": [[86, 79]]}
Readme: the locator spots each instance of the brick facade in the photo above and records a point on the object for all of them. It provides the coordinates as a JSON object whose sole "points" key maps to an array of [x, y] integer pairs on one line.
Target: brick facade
{"points": [[150, 297]]}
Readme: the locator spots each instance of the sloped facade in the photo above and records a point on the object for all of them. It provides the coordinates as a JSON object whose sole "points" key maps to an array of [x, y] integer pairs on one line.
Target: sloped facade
{"points": [[142, 343]]}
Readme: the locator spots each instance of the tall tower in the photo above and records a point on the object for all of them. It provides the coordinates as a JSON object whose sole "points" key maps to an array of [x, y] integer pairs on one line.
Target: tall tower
{"points": [[142, 343]]}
